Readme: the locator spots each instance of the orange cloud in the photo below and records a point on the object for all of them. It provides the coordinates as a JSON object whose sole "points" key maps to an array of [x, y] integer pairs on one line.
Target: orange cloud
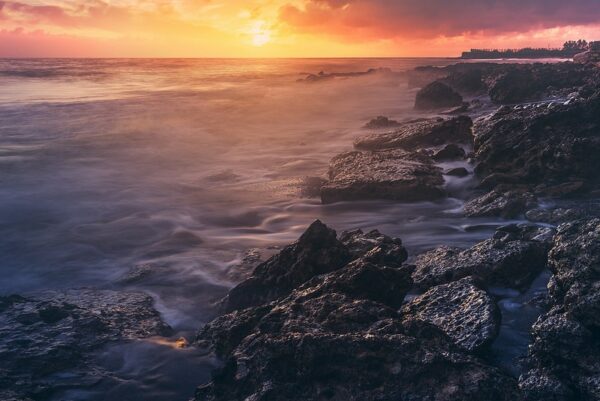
{"points": [[266, 28]]}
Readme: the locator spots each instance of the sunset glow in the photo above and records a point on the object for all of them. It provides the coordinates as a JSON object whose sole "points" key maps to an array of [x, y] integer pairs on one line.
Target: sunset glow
{"points": [[286, 28]]}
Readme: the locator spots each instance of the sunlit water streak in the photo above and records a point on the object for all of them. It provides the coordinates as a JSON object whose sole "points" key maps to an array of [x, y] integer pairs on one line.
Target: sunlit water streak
{"points": [[184, 165]]}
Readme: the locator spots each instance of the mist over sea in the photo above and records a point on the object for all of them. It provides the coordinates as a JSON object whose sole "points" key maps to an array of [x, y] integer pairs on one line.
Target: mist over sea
{"points": [[185, 168]]}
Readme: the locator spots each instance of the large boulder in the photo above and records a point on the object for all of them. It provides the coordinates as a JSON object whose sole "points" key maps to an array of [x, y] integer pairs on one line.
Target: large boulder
{"points": [[512, 258], [552, 148], [420, 134], [462, 310], [393, 174], [564, 358], [316, 252], [437, 95], [46, 339]]}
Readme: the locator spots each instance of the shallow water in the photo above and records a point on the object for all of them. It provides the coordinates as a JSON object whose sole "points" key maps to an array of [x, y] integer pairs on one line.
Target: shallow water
{"points": [[184, 166]]}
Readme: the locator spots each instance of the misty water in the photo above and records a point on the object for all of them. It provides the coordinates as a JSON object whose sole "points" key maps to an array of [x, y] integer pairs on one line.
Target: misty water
{"points": [[183, 169]]}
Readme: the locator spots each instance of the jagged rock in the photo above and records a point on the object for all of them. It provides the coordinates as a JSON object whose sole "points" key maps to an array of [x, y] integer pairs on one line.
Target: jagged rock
{"points": [[420, 134], [339, 336], [382, 122], [564, 358], [50, 334], [317, 251], [354, 367], [541, 146], [375, 247], [508, 204], [437, 95], [330, 302], [449, 152], [393, 174], [457, 172], [512, 258], [462, 310]]}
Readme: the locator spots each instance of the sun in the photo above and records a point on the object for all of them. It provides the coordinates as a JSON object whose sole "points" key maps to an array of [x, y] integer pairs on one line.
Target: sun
{"points": [[260, 35]]}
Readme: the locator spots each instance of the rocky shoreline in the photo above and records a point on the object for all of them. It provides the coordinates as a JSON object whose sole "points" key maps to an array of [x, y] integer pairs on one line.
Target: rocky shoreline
{"points": [[354, 316], [329, 318]]}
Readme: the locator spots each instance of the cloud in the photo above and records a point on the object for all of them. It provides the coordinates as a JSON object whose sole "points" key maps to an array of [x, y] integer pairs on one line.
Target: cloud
{"points": [[389, 19]]}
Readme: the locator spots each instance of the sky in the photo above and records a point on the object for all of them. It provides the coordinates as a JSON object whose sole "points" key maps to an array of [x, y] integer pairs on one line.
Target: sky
{"points": [[288, 28]]}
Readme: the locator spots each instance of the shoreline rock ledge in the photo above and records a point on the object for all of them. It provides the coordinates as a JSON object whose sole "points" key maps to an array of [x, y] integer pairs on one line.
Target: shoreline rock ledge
{"points": [[334, 327]]}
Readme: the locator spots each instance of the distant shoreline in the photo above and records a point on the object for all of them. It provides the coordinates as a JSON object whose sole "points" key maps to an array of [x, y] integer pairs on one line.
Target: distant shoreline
{"points": [[488, 54]]}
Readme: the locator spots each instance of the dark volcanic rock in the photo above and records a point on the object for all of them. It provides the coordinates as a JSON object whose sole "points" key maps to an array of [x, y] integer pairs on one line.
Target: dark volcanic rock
{"points": [[437, 95], [49, 335], [339, 336], [355, 367], [449, 152], [564, 358], [509, 204], [544, 147], [317, 251], [420, 134], [382, 122], [457, 172], [462, 310], [393, 174], [513, 258], [375, 247]]}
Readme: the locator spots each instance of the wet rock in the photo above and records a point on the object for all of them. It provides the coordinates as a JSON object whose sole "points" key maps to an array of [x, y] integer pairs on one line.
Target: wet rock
{"points": [[437, 95], [394, 174], [354, 366], [339, 336], [462, 310], [512, 258], [554, 216], [507, 204], [538, 146], [564, 358], [382, 122], [375, 247], [420, 134], [316, 252], [50, 335], [457, 172], [449, 152]]}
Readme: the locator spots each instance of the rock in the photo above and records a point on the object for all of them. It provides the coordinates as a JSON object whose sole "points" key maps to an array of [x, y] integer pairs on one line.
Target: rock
{"points": [[375, 247], [462, 310], [538, 146], [393, 174], [512, 258], [564, 358], [437, 95], [457, 172], [381, 122], [449, 152], [508, 205], [46, 339], [554, 216], [420, 134], [354, 367], [514, 86], [316, 252], [588, 57], [339, 336]]}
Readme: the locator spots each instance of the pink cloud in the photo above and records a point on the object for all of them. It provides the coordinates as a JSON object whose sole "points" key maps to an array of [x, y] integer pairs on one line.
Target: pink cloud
{"points": [[387, 19]]}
